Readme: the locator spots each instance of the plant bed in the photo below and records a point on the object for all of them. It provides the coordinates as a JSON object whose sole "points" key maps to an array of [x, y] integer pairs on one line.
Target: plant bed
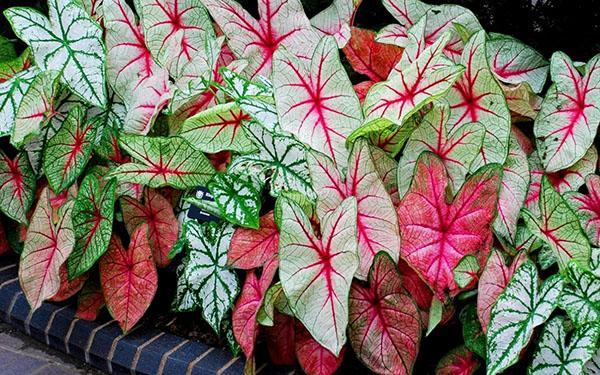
{"points": [[193, 178]]}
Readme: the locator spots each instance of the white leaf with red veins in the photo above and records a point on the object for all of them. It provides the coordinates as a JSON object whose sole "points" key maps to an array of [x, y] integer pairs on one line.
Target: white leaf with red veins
{"points": [[588, 208], [568, 120], [405, 92], [316, 273], [478, 97], [457, 150], [316, 101], [377, 223], [514, 62], [335, 20], [440, 19], [131, 71], [175, 31], [282, 22], [515, 182]]}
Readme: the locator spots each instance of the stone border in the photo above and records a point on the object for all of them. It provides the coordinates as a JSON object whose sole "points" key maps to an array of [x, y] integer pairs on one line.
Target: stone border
{"points": [[101, 344]]}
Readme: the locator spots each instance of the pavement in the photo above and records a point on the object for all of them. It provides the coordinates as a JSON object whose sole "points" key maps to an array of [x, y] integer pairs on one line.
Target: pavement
{"points": [[22, 355]]}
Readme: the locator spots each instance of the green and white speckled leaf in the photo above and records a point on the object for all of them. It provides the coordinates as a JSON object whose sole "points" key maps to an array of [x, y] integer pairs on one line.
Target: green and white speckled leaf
{"points": [[557, 357], [281, 157], [569, 117], [514, 62], [69, 41], [11, 95], [581, 298], [466, 271], [68, 151], [163, 162], [316, 102], [559, 228], [513, 190], [35, 107], [17, 186], [218, 128], [237, 199], [457, 150], [477, 97], [593, 365], [204, 280], [92, 223], [522, 306], [316, 274]]}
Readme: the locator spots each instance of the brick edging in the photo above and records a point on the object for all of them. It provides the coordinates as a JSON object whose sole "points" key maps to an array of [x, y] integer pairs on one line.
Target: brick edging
{"points": [[101, 344]]}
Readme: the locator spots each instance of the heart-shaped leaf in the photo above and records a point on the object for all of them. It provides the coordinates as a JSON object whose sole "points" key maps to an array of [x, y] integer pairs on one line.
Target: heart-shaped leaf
{"points": [[17, 186], [163, 162], [69, 41], [315, 101], [68, 287], [204, 280], [316, 273], [377, 225], [48, 244], [12, 91], [251, 248], [238, 200], [90, 301], [384, 329], [335, 20], [459, 361], [522, 306], [312, 356], [581, 300], [587, 207], [129, 279], [436, 234], [569, 117]]}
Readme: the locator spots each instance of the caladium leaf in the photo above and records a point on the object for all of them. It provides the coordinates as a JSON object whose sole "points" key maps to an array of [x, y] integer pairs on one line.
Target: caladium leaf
{"points": [[523, 104], [368, 57], [384, 328], [238, 200], [12, 92], [7, 50], [17, 186], [587, 207], [92, 222], [593, 365], [459, 361], [279, 156], [69, 150], [48, 243], [157, 213], [90, 301], [581, 300], [129, 278], [387, 168], [559, 228], [335, 20], [514, 62], [457, 150], [312, 356], [377, 225], [493, 280], [316, 273], [477, 97], [163, 162], [131, 71], [473, 334], [436, 234], [175, 31], [251, 248], [69, 41], [406, 91], [204, 280], [522, 306], [568, 120], [218, 128], [513, 191], [555, 356], [315, 101], [466, 271], [281, 23], [68, 288]]}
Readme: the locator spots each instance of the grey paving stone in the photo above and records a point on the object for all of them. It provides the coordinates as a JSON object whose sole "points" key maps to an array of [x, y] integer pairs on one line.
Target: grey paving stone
{"points": [[17, 364], [10, 341]]}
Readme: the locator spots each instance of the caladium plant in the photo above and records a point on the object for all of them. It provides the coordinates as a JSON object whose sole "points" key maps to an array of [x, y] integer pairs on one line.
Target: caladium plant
{"points": [[339, 213]]}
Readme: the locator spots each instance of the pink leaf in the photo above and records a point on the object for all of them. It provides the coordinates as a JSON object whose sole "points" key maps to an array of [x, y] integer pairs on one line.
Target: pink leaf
{"points": [[90, 301], [251, 248], [281, 340], [588, 208], [493, 280], [459, 361], [68, 288], [48, 244], [436, 234], [282, 22], [385, 329], [314, 358], [157, 213], [129, 279]]}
